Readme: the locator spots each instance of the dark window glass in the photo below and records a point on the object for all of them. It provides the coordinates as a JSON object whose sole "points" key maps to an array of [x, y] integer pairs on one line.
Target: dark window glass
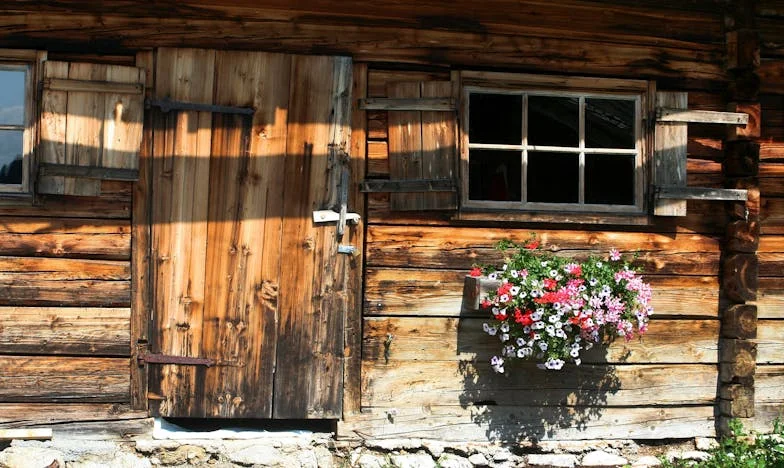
{"points": [[553, 121], [12, 94], [494, 175], [495, 118], [609, 179], [11, 156], [609, 123], [553, 177]]}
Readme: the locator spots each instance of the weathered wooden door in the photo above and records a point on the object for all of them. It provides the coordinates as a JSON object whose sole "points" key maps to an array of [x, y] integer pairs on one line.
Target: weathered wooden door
{"points": [[241, 274]]}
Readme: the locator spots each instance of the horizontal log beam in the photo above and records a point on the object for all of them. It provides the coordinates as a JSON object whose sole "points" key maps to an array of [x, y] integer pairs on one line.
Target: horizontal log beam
{"points": [[664, 114], [64, 379], [666, 192], [71, 331], [513, 423]]}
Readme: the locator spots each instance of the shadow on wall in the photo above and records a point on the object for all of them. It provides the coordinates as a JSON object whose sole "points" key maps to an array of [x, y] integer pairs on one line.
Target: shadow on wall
{"points": [[531, 403]]}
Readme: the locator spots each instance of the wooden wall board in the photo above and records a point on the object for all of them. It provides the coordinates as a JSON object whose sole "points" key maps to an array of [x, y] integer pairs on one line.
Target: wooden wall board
{"points": [[460, 247], [180, 168], [24, 290], [769, 342], [31, 414], [770, 298], [64, 379], [65, 269], [427, 292], [405, 146], [405, 384], [451, 339], [769, 384], [687, 24], [69, 245], [244, 233], [356, 237], [379, 44], [65, 330], [512, 424], [309, 374]]}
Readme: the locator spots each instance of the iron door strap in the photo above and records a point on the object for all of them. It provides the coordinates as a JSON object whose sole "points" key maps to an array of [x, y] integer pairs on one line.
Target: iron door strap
{"points": [[151, 358]]}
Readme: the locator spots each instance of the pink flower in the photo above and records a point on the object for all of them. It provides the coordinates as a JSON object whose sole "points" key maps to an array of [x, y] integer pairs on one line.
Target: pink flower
{"points": [[615, 255]]}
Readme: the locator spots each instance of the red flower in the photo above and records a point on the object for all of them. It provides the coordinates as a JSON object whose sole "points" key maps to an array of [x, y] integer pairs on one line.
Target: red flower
{"points": [[532, 245], [476, 271], [504, 289], [485, 304], [550, 283]]}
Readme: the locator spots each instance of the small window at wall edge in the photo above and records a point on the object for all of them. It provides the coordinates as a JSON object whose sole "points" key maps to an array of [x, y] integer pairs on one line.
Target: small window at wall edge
{"points": [[560, 149], [18, 74]]}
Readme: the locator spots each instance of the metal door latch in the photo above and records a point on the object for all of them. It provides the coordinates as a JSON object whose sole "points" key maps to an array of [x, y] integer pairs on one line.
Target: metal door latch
{"points": [[151, 358]]}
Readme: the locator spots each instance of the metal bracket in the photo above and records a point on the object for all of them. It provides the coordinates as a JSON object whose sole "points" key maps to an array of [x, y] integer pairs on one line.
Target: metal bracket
{"points": [[330, 216], [151, 358], [348, 250]]}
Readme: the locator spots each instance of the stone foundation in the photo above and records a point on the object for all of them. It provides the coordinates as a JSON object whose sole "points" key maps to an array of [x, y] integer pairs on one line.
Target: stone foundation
{"points": [[312, 450]]}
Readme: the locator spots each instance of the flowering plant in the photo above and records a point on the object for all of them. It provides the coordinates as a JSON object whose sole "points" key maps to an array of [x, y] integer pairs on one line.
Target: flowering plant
{"points": [[549, 309]]}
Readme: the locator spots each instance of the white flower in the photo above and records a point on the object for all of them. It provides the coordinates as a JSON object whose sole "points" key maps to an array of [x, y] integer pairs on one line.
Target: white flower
{"points": [[537, 337], [505, 327], [574, 353], [505, 337], [544, 264], [521, 353], [550, 330], [514, 273], [558, 325], [560, 333], [593, 281], [505, 266], [492, 276], [543, 346], [598, 264], [553, 273], [552, 319], [514, 290], [520, 342], [526, 329], [577, 362], [523, 294]]}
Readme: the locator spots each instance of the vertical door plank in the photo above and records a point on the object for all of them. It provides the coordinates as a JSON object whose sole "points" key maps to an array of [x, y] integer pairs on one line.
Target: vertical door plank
{"points": [[142, 287], [405, 146], [180, 215], [439, 146], [309, 369], [245, 234], [85, 111], [54, 106], [356, 235]]}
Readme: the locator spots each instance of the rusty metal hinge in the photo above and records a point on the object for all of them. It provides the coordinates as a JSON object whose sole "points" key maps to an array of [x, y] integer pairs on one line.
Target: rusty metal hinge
{"points": [[152, 358]]}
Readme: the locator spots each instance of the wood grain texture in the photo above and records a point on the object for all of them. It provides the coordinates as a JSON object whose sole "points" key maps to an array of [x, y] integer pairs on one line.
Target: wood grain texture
{"points": [[394, 42], [72, 331], [405, 146], [428, 292], [461, 247], [450, 339], [436, 383], [669, 161], [769, 342], [356, 276], [180, 168], [64, 379], [31, 414], [244, 234], [511, 424], [309, 373]]}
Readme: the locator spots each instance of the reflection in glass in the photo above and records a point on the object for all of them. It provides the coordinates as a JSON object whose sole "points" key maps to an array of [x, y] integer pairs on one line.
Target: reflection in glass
{"points": [[609, 123], [609, 179], [553, 121], [495, 175], [496, 119], [553, 177], [11, 156], [12, 94]]}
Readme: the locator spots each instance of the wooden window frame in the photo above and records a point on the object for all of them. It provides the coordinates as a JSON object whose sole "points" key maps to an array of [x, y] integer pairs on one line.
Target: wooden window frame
{"points": [[29, 61], [642, 92]]}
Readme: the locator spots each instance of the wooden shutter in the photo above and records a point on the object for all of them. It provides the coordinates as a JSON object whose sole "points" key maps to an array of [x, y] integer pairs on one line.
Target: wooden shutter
{"points": [[669, 161], [422, 129], [91, 126]]}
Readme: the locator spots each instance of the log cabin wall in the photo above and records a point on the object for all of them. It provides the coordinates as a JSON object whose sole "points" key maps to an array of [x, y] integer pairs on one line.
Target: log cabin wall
{"points": [[423, 360], [769, 379]]}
